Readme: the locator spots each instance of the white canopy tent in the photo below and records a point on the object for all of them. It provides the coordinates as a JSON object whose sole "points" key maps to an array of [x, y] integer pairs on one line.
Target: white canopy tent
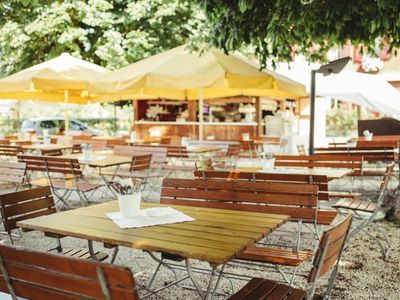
{"points": [[371, 91], [367, 90]]}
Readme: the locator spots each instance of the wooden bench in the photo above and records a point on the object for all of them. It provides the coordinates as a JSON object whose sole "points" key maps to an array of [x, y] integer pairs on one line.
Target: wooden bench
{"points": [[371, 154], [322, 161], [36, 275], [324, 217], [13, 172], [322, 181], [326, 259]]}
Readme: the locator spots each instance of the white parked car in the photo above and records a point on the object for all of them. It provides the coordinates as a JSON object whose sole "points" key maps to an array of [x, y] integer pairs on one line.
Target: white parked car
{"points": [[55, 125]]}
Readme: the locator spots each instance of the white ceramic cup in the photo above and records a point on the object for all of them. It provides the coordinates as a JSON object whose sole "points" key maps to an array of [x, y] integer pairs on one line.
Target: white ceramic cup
{"points": [[246, 136], [129, 205]]}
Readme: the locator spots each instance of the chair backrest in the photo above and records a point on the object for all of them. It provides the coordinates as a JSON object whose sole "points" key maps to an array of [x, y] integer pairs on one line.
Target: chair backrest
{"points": [[12, 172], [22, 142], [26, 204], [63, 166], [176, 151], [369, 153], [4, 142], [33, 162], [233, 150], [165, 140], [51, 152], [159, 154], [328, 255], [140, 162], [249, 145], [383, 186], [379, 143], [38, 275], [7, 150], [321, 161], [320, 180], [297, 200]]}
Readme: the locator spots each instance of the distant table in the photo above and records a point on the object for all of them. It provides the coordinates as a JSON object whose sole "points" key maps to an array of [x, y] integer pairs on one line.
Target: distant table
{"points": [[47, 147], [202, 149], [216, 235], [331, 173]]}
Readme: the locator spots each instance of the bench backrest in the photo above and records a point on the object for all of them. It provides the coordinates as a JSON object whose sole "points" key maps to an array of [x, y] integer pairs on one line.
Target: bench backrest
{"points": [[12, 172], [297, 200], [26, 204], [159, 154], [95, 145], [369, 153], [7, 150], [38, 275], [321, 161], [320, 180]]}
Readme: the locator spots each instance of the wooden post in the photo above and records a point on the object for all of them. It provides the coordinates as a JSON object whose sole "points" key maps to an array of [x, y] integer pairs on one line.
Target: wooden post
{"points": [[192, 108], [201, 114], [134, 113], [259, 119]]}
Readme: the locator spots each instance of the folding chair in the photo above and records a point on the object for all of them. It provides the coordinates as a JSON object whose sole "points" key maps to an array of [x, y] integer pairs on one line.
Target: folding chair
{"points": [[27, 204], [139, 169], [229, 159], [326, 259], [63, 175], [13, 172], [248, 149], [366, 211]]}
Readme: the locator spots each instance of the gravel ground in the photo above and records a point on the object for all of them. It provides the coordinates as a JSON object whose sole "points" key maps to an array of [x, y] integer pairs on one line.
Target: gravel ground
{"points": [[363, 274]]}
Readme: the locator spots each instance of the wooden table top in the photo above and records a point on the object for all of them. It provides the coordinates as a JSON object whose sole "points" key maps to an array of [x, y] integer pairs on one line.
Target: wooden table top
{"points": [[101, 160], [215, 236], [47, 147], [331, 173], [202, 149]]}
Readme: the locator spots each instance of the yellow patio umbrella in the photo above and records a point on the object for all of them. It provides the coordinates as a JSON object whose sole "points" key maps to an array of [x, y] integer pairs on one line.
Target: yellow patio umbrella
{"points": [[182, 75], [64, 78]]}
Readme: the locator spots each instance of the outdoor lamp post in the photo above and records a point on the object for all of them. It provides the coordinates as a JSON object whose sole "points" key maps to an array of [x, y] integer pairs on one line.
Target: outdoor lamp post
{"points": [[334, 67]]}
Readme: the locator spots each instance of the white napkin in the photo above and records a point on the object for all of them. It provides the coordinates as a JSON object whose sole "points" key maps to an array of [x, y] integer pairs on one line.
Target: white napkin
{"points": [[150, 217]]}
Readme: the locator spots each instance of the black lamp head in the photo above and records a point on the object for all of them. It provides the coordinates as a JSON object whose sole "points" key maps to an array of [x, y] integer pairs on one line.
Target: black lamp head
{"points": [[334, 67]]}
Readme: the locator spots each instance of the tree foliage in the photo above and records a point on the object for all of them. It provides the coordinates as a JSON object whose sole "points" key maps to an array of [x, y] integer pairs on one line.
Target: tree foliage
{"points": [[111, 33], [279, 28]]}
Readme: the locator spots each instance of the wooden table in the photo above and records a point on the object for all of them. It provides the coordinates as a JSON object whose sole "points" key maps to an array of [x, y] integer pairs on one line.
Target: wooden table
{"points": [[331, 173], [47, 147], [101, 160], [215, 236], [202, 149]]}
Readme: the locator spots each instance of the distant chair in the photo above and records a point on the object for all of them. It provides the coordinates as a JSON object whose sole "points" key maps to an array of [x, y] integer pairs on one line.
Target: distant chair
{"points": [[51, 152], [13, 172], [4, 142], [248, 149]]}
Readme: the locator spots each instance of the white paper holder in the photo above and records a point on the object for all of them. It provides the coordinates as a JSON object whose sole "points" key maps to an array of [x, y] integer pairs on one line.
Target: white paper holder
{"points": [[129, 205]]}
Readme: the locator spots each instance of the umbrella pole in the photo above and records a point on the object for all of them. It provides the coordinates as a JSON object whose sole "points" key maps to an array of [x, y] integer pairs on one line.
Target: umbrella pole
{"points": [[66, 122], [201, 114], [312, 113]]}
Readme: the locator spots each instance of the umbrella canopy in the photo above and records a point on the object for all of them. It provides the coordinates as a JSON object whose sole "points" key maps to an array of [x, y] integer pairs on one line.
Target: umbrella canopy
{"points": [[49, 81], [180, 74], [371, 91]]}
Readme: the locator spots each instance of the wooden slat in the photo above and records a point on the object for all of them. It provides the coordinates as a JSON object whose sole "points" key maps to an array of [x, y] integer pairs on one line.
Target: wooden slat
{"points": [[37, 275]]}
